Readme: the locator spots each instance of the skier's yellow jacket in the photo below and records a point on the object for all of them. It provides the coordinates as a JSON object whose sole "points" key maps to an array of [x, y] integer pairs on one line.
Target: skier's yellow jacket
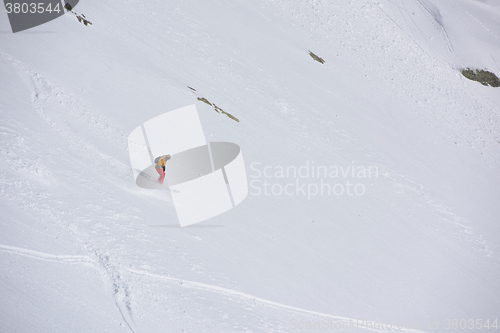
{"points": [[161, 161]]}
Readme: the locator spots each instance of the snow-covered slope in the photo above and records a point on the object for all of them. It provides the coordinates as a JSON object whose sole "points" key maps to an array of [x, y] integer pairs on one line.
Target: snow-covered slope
{"points": [[83, 249]]}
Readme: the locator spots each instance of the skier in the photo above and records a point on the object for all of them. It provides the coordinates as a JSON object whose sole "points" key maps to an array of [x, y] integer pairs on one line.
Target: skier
{"points": [[160, 163]]}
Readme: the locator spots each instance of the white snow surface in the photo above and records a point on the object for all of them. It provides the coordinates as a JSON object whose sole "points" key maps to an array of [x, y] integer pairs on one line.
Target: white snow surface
{"points": [[83, 249]]}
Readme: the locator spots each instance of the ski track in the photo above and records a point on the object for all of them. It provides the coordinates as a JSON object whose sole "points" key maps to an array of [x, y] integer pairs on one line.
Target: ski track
{"points": [[481, 24], [121, 293], [45, 256], [65, 115], [435, 16], [120, 290], [103, 265]]}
